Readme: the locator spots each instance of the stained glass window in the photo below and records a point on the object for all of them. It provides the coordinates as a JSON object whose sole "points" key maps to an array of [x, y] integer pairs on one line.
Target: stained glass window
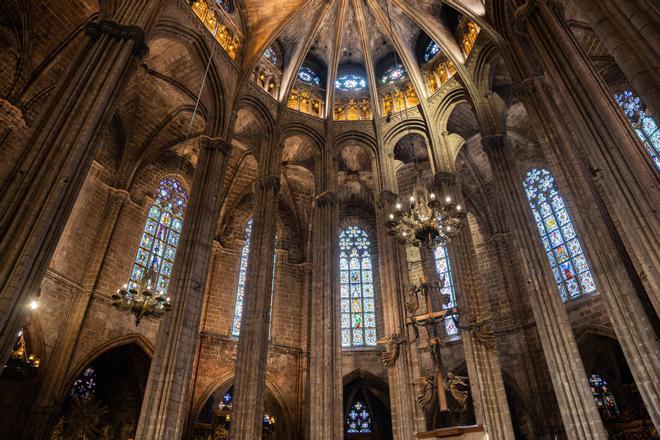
{"points": [[242, 274], [356, 284], [227, 5], [393, 74], [568, 262], [444, 271], [307, 75], [431, 50], [85, 386], [350, 82], [271, 55], [358, 419], [644, 124], [603, 396], [155, 255]]}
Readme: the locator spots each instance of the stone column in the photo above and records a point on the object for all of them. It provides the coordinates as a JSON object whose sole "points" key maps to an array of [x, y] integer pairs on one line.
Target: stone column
{"points": [[325, 397], [250, 379], [166, 397], [407, 418], [578, 409], [52, 389], [630, 30], [36, 203], [606, 143]]}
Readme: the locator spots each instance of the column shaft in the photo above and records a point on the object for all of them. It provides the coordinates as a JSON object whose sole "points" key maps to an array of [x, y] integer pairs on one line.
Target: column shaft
{"points": [[35, 205], [168, 386], [251, 359]]}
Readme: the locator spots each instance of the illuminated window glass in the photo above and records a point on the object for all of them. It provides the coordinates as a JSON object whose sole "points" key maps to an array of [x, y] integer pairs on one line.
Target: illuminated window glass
{"points": [[444, 271], [603, 396], [227, 5], [431, 50], [350, 82], [155, 256], [271, 55], [644, 124], [358, 419], [393, 74], [307, 75], [358, 312], [562, 245], [85, 386]]}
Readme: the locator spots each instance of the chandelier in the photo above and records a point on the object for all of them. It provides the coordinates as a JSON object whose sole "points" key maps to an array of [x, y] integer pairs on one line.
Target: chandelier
{"points": [[142, 301], [21, 363], [426, 220]]}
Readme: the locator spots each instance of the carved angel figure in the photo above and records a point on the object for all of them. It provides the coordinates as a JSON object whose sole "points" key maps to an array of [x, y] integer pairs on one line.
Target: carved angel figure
{"points": [[391, 344], [451, 384], [482, 330], [425, 397]]}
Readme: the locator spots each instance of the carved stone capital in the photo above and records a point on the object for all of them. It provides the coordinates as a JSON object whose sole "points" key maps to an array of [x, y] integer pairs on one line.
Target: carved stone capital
{"points": [[214, 143], [493, 142], [118, 195], [118, 31], [327, 198], [11, 116], [217, 247], [526, 87], [268, 183], [522, 14]]}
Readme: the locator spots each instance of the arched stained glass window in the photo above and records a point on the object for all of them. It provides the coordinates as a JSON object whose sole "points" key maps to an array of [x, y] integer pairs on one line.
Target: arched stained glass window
{"points": [[271, 56], [431, 50], [358, 311], [444, 272], [643, 123], [242, 274], [569, 264], [155, 256], [307, 75], [603, 396], [358, 419], [350, 82], [393, 74]]}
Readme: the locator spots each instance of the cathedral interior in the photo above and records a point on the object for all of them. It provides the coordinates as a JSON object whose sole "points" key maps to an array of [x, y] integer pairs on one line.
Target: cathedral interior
{"points": [[329, 219]]}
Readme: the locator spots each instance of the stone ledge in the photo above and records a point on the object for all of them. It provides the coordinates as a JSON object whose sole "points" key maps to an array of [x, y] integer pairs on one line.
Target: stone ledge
{"points": [[455, 432]]}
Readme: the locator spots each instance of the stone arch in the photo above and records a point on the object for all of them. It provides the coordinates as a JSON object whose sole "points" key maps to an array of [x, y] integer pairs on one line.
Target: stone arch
{"points": [[362, 385]]}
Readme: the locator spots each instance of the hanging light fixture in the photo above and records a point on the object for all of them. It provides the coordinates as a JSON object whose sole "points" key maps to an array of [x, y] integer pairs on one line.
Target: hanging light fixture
{"points": [[21, 364], [142, 301]]}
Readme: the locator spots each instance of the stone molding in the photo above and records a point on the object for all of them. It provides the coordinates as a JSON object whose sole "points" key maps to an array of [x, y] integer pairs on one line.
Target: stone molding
{"points": [[526, 87], [118, 31], [119, 195], [214, 143]]}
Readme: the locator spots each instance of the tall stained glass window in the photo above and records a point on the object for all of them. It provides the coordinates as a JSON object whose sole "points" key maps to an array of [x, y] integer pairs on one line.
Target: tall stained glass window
{"points": [[356, 284], [643, 123], [242, 273], [444, 272], [562, 245], [603, 396], [155, 256], [358, 419]]}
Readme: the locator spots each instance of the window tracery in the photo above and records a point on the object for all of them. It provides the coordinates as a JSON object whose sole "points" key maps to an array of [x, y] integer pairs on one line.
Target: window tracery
{"points": [[431, 50], [393, 74], [644, 124], [84, 386], [155, 256], [351, 82], [358, 419], [308, 76], [560, 240], [356, 284], [444, 272]]}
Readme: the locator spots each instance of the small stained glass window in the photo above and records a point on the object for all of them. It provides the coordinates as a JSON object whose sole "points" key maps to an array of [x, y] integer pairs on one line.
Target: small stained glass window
{"points": [[356, 284], [155, 257], [308, 76], [444, 272], [431, 50], [642, 122], [85, 386], [394, 74], [350, 82], [358, 419], [271, 56], [242, 274], [603, 396], [561, 242]]}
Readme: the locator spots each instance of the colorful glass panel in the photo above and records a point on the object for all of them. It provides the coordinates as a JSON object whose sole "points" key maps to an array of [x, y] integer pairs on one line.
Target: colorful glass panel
{"points": [[443, 268], [568, 262], [393, 74], [358, 419], [350, 82], [642, 122], [242, 275], [603, 396], [271, 56], [307, 75], [85, 386], [431, 50], [155, 256], [358, 320]]}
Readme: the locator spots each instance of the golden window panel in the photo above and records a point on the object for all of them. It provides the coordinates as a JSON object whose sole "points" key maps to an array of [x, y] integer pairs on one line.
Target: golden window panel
{"points": [[224, 36]]}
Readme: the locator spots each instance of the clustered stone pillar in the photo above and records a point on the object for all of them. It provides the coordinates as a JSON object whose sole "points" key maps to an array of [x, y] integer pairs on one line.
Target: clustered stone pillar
{"points": [[578, 409], [168, 386], [325, 396], [630, 30], [36, 203], [250, 379]]}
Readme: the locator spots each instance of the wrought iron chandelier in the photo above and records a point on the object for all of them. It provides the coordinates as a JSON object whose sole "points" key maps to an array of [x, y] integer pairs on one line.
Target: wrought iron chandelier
{"points": [[21, 363], [142, 301]]}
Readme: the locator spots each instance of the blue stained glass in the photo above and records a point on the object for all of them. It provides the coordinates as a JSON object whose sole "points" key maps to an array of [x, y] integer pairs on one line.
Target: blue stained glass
{"points": [[358, 419], [271, 56], [355, 248], [393, 74], [307, 75], [643, 122], [565, 254], [431, 50], [163, 224], [350, 82], [443, 267]]}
